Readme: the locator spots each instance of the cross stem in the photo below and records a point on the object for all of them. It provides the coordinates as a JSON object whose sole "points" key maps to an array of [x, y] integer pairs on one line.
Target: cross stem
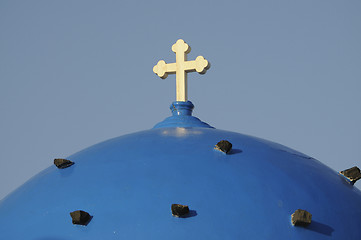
{"points": [[181, 77]]}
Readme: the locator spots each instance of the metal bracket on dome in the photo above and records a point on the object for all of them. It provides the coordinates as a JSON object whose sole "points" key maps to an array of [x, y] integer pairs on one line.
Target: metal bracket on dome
{"points": [[223, 146], [352, 174], [62, 163], [80, 217], [301, 218]]}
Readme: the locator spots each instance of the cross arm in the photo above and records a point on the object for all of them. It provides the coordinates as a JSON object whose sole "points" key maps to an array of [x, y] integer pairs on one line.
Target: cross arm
{"points": [[199, 65], [162, 69]]}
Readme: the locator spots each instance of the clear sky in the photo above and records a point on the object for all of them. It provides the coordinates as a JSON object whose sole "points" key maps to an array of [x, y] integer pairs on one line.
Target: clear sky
{"points": [[74, 73]]}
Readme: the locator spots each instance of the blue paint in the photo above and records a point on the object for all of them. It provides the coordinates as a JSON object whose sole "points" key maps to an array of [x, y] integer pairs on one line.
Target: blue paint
{"points": [[182, 117], [129, 183]]}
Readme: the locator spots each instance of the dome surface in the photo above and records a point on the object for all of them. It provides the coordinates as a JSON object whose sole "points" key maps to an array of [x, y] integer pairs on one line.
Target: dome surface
{"points": [[128, 184]]}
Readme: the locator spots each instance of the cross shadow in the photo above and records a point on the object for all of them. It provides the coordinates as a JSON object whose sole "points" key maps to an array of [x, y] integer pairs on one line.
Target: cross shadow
{"points": [[320, 228]]}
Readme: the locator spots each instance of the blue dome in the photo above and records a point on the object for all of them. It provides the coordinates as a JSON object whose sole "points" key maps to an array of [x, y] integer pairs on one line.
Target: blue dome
{"points": [[128, 184]]}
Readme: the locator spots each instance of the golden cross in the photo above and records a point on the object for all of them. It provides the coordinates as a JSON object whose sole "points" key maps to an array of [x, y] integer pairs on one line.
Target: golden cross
{"points": [[181, 67]]}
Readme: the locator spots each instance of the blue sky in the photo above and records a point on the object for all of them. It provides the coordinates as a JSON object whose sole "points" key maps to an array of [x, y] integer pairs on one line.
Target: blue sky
{"points": [[74, 73]]}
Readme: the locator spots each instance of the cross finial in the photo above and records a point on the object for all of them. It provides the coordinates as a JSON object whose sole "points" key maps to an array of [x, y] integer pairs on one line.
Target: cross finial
{"points": [[181, 67]]}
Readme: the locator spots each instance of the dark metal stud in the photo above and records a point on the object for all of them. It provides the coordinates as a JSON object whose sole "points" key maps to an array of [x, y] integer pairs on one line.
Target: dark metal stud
{"points": [[62, 163], [80, 217], [352, 174], [179, 210], [301, 218], [223, 146]]}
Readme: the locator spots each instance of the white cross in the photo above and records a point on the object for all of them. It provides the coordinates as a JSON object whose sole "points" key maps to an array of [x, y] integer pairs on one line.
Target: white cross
{"points": [[181, 67]]}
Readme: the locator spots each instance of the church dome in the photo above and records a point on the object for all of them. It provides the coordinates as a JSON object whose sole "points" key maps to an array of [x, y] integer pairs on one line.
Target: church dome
{"points": [[184, 179], [128, 185]]}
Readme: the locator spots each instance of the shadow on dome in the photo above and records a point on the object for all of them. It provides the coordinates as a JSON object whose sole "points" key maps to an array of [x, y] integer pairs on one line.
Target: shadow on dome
{"points": [[320, 228]]}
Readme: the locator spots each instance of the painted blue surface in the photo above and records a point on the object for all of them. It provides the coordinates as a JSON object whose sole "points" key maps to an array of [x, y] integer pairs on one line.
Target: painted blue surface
{"points": [[182, 117], [129, 183]]}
